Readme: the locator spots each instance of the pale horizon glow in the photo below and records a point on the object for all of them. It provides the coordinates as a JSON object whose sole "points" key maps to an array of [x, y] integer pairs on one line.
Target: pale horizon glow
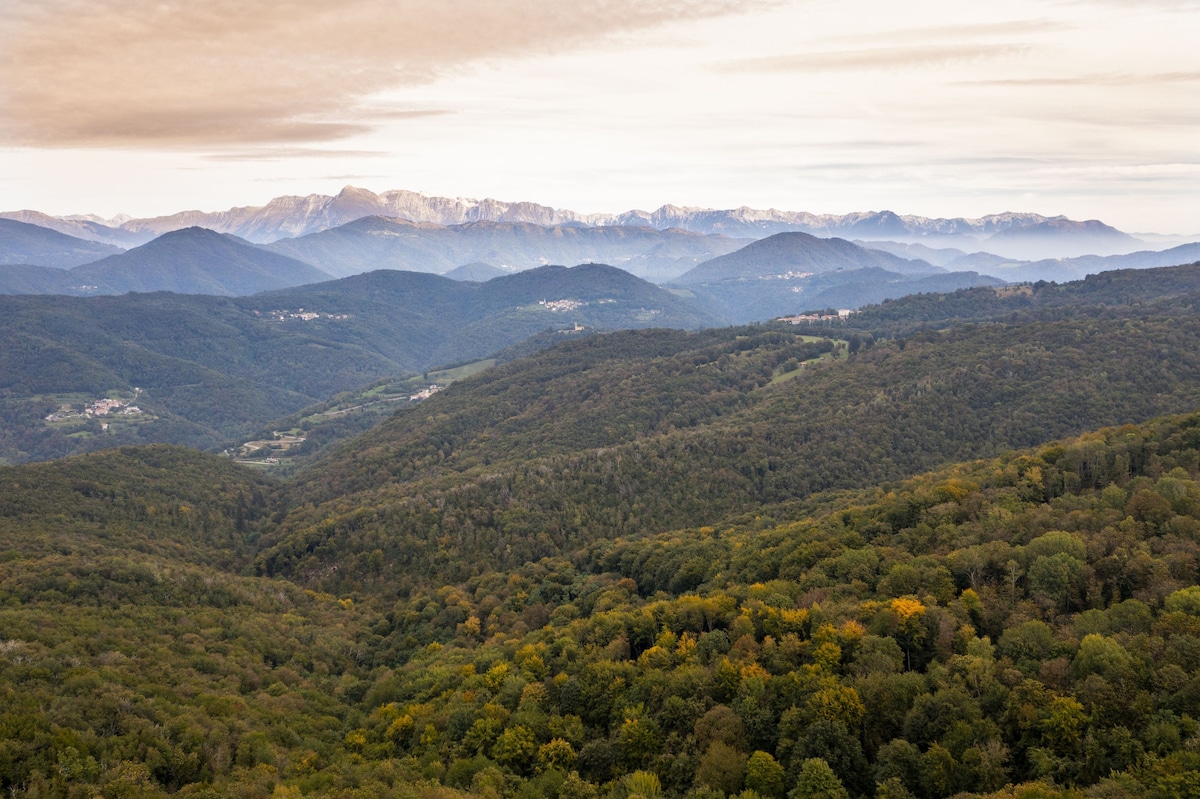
{"points": [[1085, 108]]}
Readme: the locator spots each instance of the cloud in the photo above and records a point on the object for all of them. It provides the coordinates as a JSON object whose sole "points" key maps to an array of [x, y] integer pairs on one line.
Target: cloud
{"points": [[283, 153], [1141, 5], [876, 58], [1122, 79], [232, 73], [978, 30]]}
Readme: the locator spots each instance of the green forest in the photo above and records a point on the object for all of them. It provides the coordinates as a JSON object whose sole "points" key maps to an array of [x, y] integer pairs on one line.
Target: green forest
{"points": [[215, 369], [947, 548]]}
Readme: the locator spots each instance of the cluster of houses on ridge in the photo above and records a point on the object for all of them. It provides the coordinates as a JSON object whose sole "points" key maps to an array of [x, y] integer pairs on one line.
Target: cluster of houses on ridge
{"points": [[787, 276], [817, 316], [301, 314], [100, 407], [558, 306], [426, 393]]}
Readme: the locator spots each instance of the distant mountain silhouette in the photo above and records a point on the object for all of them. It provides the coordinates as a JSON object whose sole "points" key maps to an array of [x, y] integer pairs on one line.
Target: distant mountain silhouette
{"points": [[197, 261], [1067, 269], [798, 252], [90, 229], [23, 243], [476, 272], [383, 243], [1060, 237]]}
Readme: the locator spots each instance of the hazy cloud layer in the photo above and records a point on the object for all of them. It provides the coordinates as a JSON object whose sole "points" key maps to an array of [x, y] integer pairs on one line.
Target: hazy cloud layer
{"points": [[878, 58], [1003, 28], [1122, 79], [136, 73], [278, 153]]}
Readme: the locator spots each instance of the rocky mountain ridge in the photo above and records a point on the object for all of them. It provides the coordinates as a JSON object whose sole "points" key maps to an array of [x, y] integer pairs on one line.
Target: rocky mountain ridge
{"points": [[1011, 234]]}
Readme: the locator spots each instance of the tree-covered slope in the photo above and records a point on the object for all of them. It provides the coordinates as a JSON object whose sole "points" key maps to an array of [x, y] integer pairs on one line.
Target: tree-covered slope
{"points": [[167, 502], [1030, 620], [211, 369], [134, 661], [427, 320], [639, 432], [23, 279], [207, 370], [23, 243], [1118, 287], [196, 261], [759, 299]]}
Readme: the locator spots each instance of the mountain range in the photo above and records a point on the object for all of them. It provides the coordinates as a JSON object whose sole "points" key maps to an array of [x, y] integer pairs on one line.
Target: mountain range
{"points": [[1014, 235], [780, 275], [200, 261], [207, 370], [377, 242]]}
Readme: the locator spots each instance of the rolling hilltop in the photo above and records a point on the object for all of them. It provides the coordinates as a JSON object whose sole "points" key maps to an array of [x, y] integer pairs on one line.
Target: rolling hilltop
{"points": [[211, 369], [788, 273], [196, 261], [798, 252], [188, 261], [981, 304], [638, 432]]}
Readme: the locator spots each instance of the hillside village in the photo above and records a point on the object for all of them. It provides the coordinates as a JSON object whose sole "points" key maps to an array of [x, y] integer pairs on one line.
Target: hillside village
{"points": [[817, 316], [787, 276], [95, 408], [300, 314]]}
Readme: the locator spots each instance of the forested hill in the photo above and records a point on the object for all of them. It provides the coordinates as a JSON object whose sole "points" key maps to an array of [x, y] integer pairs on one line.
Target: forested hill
{"points": [[800, 252], [1031, 620], [196, 261], [593, 439], [211, 369], [1115, 288], [653, 563], [428, 320]]}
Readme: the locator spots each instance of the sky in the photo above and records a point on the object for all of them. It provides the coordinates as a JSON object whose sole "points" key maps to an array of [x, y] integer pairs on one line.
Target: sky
{"points": [[1087, 108]]}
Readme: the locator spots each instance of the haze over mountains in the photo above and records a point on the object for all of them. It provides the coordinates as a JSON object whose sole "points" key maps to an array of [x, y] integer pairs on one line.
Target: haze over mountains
{"points": [[1014, 235], [789, 271], [377, 242], [31, 245], [188, 261], [199, 261], [306, 240]]}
